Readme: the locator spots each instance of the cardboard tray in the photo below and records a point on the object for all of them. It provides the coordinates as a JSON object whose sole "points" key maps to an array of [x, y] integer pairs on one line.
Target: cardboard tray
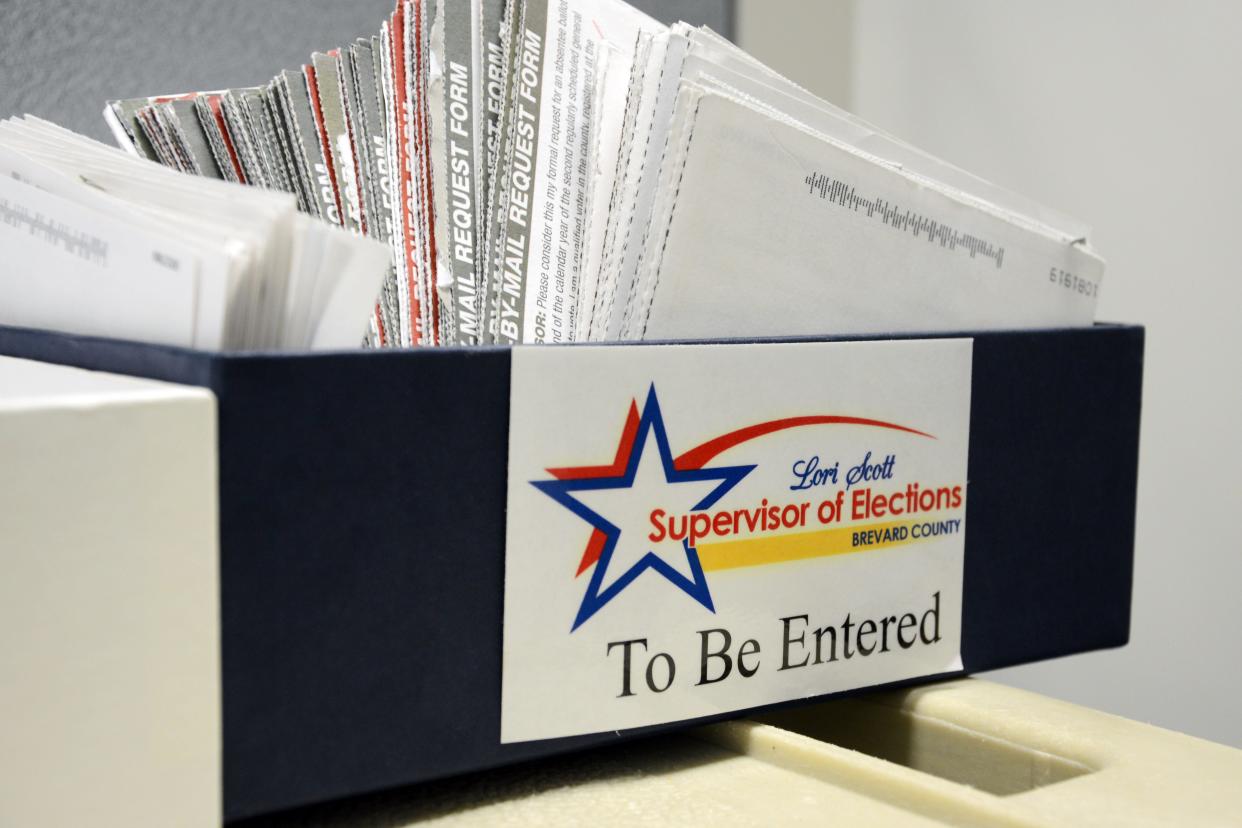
{"points": [[361, 625]]}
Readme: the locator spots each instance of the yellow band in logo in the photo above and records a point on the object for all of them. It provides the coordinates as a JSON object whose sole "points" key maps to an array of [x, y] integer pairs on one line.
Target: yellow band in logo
{"points": [[822, 543]]}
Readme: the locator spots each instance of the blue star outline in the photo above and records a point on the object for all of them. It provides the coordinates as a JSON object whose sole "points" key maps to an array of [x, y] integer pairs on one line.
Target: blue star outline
{"points": [[560, 490]]}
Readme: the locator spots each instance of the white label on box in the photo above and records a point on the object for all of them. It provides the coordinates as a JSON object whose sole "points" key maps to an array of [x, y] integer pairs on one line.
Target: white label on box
{"points": [[698, 529]]}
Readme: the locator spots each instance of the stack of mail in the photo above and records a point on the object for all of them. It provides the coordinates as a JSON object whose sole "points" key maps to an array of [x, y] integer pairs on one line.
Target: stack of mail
{"points": [[572, 170], [349, 136], [99, 243]]}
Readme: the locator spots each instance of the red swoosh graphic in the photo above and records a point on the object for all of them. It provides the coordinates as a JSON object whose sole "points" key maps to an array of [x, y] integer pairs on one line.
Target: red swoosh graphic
{"points": [[697, 457]]}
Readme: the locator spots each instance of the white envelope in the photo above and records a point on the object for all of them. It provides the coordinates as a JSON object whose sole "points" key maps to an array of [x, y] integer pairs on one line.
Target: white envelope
{"points": [[102, 243], [765, 227], [73, 268]]}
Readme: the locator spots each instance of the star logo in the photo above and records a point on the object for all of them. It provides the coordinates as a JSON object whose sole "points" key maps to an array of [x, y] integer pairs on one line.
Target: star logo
{"points": [[617, 499]]}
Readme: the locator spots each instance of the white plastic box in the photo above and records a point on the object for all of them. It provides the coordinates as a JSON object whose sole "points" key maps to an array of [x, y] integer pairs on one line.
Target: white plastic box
{"points": [[109, 600]]}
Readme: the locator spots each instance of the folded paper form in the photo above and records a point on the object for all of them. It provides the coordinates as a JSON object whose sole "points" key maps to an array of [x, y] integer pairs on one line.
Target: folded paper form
{"points": [[854, 247], [561, 171], [772, 212]]}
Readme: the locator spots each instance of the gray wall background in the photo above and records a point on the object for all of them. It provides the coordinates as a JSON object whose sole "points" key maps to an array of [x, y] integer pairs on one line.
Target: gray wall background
{"points": [[62, 59], [1124, 113]]}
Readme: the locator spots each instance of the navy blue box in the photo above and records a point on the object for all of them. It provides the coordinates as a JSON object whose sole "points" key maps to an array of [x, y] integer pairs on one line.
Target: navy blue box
{"points": [[362, 527]]}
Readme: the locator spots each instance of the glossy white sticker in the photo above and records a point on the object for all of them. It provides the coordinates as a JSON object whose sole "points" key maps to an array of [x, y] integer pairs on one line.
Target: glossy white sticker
{"points": [[695, 530]]}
